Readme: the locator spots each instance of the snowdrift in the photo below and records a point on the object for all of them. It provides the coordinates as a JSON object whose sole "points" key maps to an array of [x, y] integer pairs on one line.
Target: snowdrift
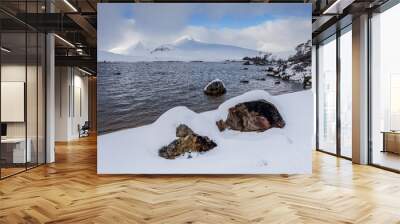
{"points": [[287, 150]]}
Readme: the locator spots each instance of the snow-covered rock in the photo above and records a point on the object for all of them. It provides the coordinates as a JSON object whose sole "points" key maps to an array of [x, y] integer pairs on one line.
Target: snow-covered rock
{"points": [[297, 72], [257, 115], [215, 88], [286, 150], [187, 142]]}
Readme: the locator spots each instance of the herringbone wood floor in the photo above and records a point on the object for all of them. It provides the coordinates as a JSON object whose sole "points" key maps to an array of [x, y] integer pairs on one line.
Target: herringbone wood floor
{"points": [[69, 191]]}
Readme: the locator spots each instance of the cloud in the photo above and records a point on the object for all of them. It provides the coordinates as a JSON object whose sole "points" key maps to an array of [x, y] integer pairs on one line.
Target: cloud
{"points": [[120, 26], [156, 19], [115, 30], [271, 36]]}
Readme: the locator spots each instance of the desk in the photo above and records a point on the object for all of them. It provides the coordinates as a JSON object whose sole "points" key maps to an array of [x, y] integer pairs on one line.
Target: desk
{"points": [[16, 147], [391, 141]]}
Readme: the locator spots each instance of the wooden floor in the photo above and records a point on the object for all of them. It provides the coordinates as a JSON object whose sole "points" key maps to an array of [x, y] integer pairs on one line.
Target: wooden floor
{"points": [[69, 191]]}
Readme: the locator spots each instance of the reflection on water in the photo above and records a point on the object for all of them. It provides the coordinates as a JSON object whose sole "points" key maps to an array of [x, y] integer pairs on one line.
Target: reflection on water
{"points": [[135, 94]]}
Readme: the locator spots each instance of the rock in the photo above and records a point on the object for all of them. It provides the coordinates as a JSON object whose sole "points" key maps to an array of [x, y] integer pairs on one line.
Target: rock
{"points": [[187, 142], [245, 68], [277, 82], [244, 81], [307, 82], [215, 88], [285, 77], [260, 79], [183, 130], [271, 74], [246, 63], [221, 125], [250, 116]]}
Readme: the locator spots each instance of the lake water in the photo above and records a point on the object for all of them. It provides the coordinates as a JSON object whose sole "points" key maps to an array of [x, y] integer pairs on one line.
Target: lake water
{"points": [[136, 94]]}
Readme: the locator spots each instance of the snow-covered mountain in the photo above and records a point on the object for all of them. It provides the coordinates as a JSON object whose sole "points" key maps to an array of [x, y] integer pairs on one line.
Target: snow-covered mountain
{"points": [[183, 49]]}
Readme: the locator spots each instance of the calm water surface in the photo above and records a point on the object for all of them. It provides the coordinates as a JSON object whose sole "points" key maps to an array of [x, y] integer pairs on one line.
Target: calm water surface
{"points": [[136, 94]]}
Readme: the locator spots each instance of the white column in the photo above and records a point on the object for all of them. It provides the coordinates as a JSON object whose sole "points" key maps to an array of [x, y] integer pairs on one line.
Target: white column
{"points": [[314, 90], [50, 100], [360, 90]]}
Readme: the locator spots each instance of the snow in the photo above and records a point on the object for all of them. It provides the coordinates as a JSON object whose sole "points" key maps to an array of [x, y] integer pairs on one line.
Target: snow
{"points": [[185, 48], [290, 72], [296, 75], [286, 150], [183, 39]]}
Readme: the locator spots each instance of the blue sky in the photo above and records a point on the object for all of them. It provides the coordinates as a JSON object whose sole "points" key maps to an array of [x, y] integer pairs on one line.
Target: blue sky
{"points": [[250, 25]]}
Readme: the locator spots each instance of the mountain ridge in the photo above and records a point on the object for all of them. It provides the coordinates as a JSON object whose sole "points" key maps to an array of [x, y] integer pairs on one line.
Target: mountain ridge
{"points": [[185, 48]]}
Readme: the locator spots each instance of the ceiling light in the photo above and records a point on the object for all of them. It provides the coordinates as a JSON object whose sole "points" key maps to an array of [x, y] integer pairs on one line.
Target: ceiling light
{"points": [[70, 5], [5, 50], [65, 41], [86, 72]]}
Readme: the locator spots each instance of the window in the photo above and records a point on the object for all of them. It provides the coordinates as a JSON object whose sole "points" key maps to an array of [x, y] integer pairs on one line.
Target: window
{"points": [[346, 92], [22, 88], [327, 96], [385, 89]]}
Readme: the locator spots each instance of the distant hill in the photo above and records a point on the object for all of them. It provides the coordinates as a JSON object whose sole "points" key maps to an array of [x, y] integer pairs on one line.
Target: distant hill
{"points": [[183, 49]]}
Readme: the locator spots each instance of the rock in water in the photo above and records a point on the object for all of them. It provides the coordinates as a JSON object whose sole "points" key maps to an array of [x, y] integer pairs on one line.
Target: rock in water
{"points": [[187, 142], [215, 88], [257, 115]]}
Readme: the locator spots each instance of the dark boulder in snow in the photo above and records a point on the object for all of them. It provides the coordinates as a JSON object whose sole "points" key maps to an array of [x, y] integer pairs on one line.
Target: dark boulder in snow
{"points": [[250, 116], [215, 88], [187, 142], [307, 84], [244, 81]]}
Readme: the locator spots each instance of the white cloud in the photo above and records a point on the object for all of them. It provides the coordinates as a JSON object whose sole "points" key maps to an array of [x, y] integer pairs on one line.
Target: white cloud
{"points": [[154, 25], [272, 36]]}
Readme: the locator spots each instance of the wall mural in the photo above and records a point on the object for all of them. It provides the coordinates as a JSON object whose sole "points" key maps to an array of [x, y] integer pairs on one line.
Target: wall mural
{"points": [[204, 88]]}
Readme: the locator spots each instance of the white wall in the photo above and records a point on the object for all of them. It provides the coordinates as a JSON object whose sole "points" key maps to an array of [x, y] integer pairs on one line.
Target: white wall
{"points": [[33, 125], [17, 73], [70, 83]]}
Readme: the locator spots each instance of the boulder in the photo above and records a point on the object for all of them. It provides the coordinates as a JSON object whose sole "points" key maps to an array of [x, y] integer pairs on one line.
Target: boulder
{"points": [[183, 130], [250, 116], [215, 88], [187, 142], [307, 82], [244, 81], [247, 63]]}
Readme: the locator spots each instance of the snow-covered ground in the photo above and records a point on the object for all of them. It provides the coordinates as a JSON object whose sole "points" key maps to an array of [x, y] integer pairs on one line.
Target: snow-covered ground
{"points": [[287, 150], [290, 73]]}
